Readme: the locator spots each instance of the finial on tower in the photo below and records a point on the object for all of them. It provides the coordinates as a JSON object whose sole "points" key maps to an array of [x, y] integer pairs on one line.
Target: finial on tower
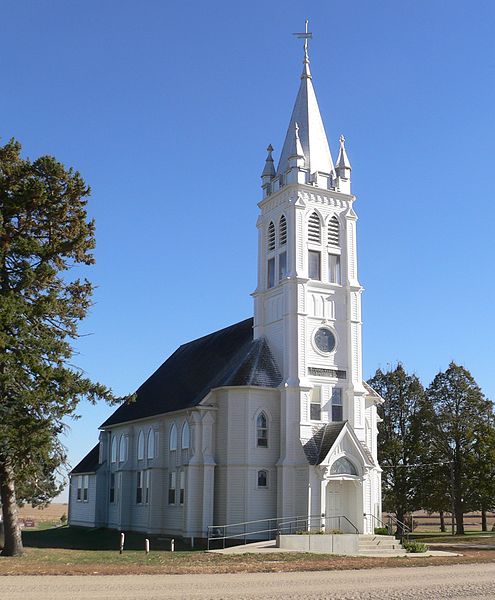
{"points": [[343, 168], [269, 170], [305, 35], [299, 149]]}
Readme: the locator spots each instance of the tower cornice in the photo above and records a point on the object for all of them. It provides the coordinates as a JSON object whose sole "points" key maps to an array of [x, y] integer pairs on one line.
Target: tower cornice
{"points": [[291, 193]]}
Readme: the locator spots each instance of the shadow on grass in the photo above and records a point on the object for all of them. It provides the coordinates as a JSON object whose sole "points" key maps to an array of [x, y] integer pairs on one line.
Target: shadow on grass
{"points": [[80, 538]]}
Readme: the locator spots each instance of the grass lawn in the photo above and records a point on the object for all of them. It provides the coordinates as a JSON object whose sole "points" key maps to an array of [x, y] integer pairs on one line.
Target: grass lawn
{"points": [[471, 537], [69, 550]]}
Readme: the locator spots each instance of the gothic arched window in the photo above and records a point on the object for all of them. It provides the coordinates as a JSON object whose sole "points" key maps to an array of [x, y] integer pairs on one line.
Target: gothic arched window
{"points": [[172, 442], [282, 231], [271, 236], [151, 443], [185, 436], [343, 466], [334, 231], [140, 445], [114, 449], [314, 228], [123, 448], [262, 478], [262, 431]]}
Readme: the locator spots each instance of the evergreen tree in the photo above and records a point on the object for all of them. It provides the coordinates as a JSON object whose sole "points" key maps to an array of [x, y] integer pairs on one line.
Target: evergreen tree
{"points": [[481, 464], [399, 437], [456, 430], [44, 233]]}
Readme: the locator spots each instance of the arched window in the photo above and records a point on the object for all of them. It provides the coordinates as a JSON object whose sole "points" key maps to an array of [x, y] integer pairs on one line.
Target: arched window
{"points": [[334, 231], [282, 231], [123, 448], [151, 443], [114, 449], [343, 466], [140, 445], [271, 236], [185, 436], [172, 442], [314, 228], [262, 478], [262, 431]]}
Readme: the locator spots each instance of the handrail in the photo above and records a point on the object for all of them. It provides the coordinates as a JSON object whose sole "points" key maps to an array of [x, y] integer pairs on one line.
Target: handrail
{"points": [[380, 522], [391, 520], [406, 530], [272, 526]]}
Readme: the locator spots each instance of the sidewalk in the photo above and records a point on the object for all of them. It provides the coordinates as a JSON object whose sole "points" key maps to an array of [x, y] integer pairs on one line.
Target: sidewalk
{"points": [[269, 547]]}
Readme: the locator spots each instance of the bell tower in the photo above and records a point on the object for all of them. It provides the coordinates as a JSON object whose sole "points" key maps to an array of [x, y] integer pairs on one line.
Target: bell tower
{"points": [[308, 297]]}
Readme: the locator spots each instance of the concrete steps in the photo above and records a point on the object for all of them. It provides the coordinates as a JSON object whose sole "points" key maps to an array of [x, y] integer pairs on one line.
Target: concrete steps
{"points": [[380, 545]]}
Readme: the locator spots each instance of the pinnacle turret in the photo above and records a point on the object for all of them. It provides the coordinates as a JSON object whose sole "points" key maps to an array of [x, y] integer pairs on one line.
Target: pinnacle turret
{"points": [[343, 168]]}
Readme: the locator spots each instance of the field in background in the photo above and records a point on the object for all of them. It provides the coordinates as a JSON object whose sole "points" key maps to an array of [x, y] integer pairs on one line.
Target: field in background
{"points": [[422, 521], [43, 517]]}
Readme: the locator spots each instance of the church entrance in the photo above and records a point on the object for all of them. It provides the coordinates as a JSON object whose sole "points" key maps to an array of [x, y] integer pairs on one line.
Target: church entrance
{"points": [[342, 499]]}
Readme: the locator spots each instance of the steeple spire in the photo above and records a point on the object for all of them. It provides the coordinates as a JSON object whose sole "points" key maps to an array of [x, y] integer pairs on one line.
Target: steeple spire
{"points": [[306, 114]]}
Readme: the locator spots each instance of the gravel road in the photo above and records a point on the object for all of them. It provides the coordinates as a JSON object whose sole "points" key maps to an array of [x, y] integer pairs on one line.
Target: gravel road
{"points": [[461, 582]]}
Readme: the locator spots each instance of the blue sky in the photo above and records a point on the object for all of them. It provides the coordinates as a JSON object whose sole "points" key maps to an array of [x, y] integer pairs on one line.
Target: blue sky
{"points": [[166, 108]]}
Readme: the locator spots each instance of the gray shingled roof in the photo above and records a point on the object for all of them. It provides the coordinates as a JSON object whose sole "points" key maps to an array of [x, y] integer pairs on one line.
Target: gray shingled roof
{"points": [[322, 441], [229, 357], [90, 463]]}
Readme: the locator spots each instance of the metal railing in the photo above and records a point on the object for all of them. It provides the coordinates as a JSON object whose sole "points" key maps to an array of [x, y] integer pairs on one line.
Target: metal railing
{"points": [[268, 529], [402, 530]]}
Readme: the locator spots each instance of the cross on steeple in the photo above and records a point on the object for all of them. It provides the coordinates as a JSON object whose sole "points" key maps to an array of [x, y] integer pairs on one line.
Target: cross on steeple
{"points": [[305, 35]]}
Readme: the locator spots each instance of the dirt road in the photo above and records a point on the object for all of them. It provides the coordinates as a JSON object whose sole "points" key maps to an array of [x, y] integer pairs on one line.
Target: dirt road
{"points": [[461, 582]]}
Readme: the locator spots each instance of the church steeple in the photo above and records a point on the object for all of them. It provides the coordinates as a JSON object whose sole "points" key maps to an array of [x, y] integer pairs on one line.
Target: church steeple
{"points": [[312, 136]]}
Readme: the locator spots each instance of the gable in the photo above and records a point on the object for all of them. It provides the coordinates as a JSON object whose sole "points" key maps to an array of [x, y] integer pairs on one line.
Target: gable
{"points": [[336, 439]]}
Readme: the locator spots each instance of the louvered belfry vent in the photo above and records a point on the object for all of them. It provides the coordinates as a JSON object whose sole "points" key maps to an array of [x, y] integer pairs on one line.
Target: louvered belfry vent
{"points": [[271, 236], [334, 232], [314, 229], [283, 230]]}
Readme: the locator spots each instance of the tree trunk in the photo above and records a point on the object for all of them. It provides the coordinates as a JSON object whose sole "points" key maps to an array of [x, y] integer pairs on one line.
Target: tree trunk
{"points": [[400, 520], [443, 529], [484, 525], [459, 519], [12, 531]]}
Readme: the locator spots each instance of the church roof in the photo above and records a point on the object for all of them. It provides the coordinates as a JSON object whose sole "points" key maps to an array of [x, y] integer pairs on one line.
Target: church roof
{"points": [[90, 463], [229, 357], [322, 441], [311, 132]]}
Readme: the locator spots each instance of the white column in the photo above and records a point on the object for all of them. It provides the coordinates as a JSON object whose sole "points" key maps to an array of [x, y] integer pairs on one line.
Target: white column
{"points": [[323, 502]]}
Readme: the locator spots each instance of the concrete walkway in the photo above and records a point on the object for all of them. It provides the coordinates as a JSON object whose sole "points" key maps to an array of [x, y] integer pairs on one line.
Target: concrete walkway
{"points": [[270, 547]]}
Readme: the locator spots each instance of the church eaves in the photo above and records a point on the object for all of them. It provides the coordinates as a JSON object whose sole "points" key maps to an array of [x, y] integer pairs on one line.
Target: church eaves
{"points": [[306, 119]]}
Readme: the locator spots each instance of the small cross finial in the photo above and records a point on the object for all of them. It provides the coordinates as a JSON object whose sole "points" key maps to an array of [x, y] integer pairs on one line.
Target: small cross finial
{"points": [[305, 35], [269, 149], [342, 139]]}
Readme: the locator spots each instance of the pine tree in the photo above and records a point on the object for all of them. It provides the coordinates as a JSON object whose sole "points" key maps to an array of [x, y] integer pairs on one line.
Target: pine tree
{"points": [[398, 437], [481, 464], [44, 234], [460, 410]]}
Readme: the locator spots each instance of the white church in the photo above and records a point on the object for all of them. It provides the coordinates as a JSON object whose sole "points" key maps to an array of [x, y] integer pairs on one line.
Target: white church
{"points": [[270, 417]]}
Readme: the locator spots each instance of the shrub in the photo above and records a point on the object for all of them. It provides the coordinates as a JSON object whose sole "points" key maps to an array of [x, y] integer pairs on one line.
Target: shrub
{"points": [[414, 547], [381, 531]]}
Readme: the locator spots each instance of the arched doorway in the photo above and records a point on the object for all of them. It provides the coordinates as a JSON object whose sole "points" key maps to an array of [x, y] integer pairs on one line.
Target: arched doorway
{"points": [[343, 498]]}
